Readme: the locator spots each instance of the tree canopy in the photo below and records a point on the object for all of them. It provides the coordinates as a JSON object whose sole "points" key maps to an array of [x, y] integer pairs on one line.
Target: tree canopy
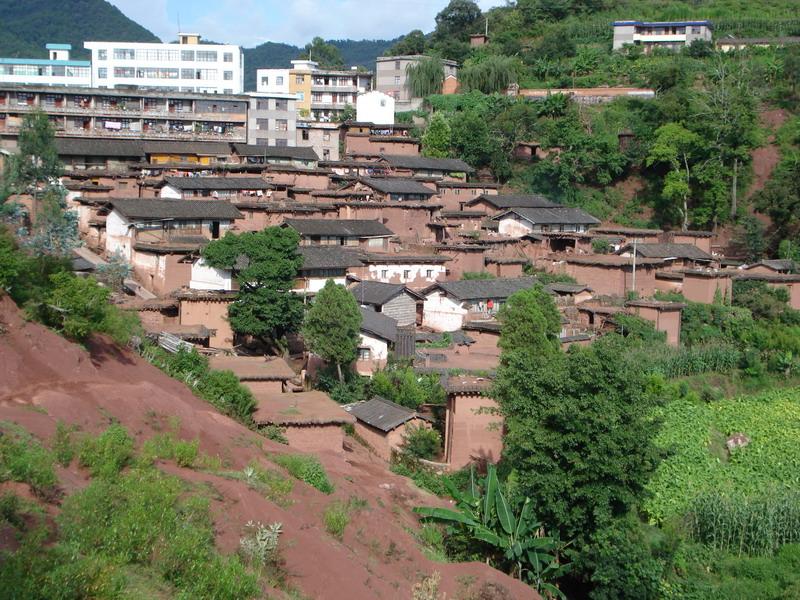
{"points": [[327, 55]]}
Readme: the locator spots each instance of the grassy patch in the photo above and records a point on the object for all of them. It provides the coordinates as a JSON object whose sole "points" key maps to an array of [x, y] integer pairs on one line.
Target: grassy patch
{"points": [[63, 445], [24, 459], [108, 453], [167, 446], [305, 468], [268, 482], [337, 515]]}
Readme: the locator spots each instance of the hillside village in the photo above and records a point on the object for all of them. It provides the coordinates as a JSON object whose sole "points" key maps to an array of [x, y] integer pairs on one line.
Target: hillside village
{"points": [[337, 265]]}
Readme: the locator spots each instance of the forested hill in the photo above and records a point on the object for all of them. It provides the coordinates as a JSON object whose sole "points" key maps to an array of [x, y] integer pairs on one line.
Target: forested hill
{"points": [[27, 25], [274, 55]]}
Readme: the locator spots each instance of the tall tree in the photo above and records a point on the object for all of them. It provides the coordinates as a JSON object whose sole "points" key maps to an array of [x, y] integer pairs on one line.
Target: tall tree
{"points": [[332, 325], [327, 55], [676, 146], [265, 264], [530, 322], [437, 138], [425, 77], [411, 44], [457, 20], [490, 75]]}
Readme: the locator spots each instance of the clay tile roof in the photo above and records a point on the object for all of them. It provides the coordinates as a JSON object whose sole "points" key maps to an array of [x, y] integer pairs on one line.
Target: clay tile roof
{"points": [[503, 201], [609, 260], [378, 325], [567, 288], [99, 147], [483, 289], [786, 265], [379, 293], [158, 208], [219, 183], [291, 152], [552, 215], [658, 305], [180, 147], [467, 384], [381, 413], [395, 185], [300, 408], [329, 257], [253, 368], [431, 164], [687, 251], [339, 227], [626, 231]]}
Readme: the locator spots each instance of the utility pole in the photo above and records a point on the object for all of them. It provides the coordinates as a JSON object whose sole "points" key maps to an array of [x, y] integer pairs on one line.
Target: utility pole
{"points": [[633, 279], [486, 30]]}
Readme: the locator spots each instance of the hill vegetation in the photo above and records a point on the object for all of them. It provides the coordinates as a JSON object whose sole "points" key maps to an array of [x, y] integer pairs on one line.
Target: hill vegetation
{"points": [[27, 26]]}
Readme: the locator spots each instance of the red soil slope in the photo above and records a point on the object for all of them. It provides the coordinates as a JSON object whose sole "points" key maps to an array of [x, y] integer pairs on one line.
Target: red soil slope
{"points": [[44, 379]]}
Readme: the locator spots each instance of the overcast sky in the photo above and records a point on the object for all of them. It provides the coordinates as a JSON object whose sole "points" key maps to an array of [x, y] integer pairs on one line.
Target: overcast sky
{"points": [[252, 22]]}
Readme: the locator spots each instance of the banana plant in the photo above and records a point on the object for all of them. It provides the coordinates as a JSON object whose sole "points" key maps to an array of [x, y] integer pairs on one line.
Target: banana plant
{"points": [[516, 538]]}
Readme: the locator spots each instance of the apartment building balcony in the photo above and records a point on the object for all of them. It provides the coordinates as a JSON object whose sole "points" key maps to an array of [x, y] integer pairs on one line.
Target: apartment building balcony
{"points": [[231, 136], [649, 38], [330, 105], [336, 88]]}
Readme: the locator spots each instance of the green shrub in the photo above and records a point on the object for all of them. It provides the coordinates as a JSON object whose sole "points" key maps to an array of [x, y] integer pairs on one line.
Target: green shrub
{"points": [[11, 509], [305, 468], [107, 454], [24, 459], [63, 444], [422, 442], [276, 433], [336, 518], [168, 447], [223, 390]]}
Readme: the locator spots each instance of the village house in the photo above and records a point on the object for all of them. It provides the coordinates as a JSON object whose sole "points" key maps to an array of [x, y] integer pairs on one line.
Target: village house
{"points": [[621, 236], [413, 270], [787, 281], [491, 204], [218, 188], [704, 285], [207, 309], [384, 424], [157, 236], [371, 141], [378, 336], [260, 374], [310, 421], [394, 300], [771, 267], [411, 222], [448, 169], [464, 258], [260, 213], [366, 234], [321, 263], [676, 256], [282, 155], [517, 222], [395, 189], [454, 194], [450, 304], [473, 431], [665, 316], [610, 275], [701, 239]]}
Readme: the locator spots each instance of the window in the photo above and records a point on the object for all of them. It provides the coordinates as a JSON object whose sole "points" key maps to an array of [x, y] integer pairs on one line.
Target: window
{"points": [[124, 72], [397, 65], [187, 73], [124, 54], [364, 354], [695, 30], [384, 274], [206, 56], [429, 273], [326, 137], [187, 55], [102, 73], [406, 275], [397, 79], [279, 80], [262, 124], [227, 91], [227, 57], [299, 79], [383, 102], [261, 141], [265, 81], [301, 96], [281, 125], [304, 134], [102, 54], [281, 143], [262, 104], [281, 105], [227, 75], [326, 154]]}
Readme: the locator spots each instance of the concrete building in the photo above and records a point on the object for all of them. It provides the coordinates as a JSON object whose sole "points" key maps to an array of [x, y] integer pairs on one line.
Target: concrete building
{"points": [[391, 78], [272, 119], [322, 137], [186, 66], [375, 107], [673, 35], [57, 69], [322, 94], [133, 115]]}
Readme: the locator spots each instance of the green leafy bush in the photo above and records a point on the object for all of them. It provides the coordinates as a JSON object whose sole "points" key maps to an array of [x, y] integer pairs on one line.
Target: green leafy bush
{"points": [[24, 459], [107, 454], [63, 444], [305, 468], [422, 442], [336, 519], [168, 446], [223, 390]]}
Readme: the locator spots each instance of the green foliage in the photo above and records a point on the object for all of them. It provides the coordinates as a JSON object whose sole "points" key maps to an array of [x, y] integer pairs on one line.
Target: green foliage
{"points": [[639, 329], [354, 388], [332, 325], [402, 385], [223, 390], [698, 464], [268, 482], [327, 55], [166, 446], [530, 323], [749, 241], [305, 468], [114, 271], [601, 246], [107, 454], [337, 515], [473, 275], [265, 306], [509, 537], [76, 305], [411, 44], [64, 447], [422, 442], [490, 75], [24, 459], [36, 164], [437, 138], [425, 77]]}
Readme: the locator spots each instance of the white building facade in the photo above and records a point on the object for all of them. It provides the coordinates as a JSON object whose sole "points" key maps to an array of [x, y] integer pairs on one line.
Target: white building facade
{"points": [[57, 69], [673, 35], [188, 66], [375, 107]]}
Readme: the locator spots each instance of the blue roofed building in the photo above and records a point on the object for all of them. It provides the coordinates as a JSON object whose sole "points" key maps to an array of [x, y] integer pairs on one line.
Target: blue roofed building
{"points": [[57, 69]]}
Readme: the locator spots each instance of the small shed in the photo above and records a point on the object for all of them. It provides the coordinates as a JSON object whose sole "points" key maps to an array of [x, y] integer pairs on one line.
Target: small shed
{"points": [[259, 373], [311, 421], [383, 424]]}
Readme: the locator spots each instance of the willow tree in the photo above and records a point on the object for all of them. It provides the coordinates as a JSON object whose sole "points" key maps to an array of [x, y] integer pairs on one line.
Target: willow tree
{"points": [[425, 77], [492, 74]]}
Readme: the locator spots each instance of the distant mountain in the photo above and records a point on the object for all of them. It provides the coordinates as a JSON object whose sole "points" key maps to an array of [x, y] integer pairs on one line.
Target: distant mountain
{"points": [[361, 53], [27, 25]]}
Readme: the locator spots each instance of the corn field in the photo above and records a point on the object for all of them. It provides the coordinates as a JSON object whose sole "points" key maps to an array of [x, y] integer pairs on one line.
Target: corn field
{"points": [[746, 525], [681, 362]]}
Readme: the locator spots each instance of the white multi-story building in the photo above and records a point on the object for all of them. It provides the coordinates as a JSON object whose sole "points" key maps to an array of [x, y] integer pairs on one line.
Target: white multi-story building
{"points": [[672, 35], [57, 69], [375, 107], [187, 66]]}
